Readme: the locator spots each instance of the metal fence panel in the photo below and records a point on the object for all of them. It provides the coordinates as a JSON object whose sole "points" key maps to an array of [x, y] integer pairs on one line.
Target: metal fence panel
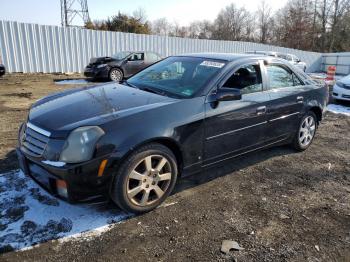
{"points": [[31, 48], [340, 60]]}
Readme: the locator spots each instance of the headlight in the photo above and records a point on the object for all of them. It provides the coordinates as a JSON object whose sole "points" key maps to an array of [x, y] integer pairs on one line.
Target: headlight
{"points": [[102, 65], [80, 145], [340, 84]]}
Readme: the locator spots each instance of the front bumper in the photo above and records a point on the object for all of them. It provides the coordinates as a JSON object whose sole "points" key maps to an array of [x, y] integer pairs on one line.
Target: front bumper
{"points": [[95, 72], [71, 182], [341, 93]]}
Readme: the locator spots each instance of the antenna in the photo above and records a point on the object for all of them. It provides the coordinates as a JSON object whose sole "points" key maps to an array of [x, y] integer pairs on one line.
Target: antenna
{"points": [[70, 9]]}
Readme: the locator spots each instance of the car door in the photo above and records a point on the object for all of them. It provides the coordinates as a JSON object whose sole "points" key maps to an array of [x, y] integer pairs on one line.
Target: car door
{"points": [[233, 127], [286, 101], [135, 63]]}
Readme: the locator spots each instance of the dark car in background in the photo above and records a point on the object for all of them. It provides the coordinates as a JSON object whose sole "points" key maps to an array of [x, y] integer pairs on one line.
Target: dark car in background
{"points": [[2, 70], [121, 65], [131, 141]]}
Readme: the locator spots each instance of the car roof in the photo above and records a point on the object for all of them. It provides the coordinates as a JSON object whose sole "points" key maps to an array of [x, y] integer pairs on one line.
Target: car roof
{"points": [[221, 56]]}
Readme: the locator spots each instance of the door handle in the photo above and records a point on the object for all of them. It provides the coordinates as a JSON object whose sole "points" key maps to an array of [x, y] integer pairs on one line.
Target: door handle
{"points": [[300, 99], [261, 110]]}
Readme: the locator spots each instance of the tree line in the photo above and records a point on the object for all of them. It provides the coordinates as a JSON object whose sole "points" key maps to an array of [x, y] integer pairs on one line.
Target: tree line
{"points": [[313, 25]]}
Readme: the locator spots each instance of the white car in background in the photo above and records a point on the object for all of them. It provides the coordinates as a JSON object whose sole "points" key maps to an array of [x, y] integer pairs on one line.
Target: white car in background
{"points": [[293, 59], [341, 89]]}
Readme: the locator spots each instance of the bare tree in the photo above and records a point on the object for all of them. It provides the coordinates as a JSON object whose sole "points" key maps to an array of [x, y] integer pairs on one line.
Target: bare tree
{"points": [[264, 19], [161, 26], [233, 23]]}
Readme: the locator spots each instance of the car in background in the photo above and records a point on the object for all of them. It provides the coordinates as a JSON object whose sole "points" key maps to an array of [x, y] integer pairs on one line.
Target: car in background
{"points": [[121, 65], [132, 140], [341, 89], [2, 70], [293, 59], [268, 53]]}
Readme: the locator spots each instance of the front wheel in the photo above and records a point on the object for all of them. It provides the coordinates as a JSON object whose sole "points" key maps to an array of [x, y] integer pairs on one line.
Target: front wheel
{"points": [[116, 75], [306, 132], [145, 179]]}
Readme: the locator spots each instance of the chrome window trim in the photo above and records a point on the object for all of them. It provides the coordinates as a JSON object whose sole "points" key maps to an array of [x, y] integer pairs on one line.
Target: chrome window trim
{"points": [[38, 129]]}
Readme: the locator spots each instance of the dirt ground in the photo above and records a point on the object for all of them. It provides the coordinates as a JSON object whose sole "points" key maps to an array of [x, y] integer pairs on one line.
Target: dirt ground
{"points": [[278, 205]]}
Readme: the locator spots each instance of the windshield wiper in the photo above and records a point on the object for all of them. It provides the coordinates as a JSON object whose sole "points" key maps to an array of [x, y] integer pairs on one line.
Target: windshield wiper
{"points": [[154, 91], [128, 84]]}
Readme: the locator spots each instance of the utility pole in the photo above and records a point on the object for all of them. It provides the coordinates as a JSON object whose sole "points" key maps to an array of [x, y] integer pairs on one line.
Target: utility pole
{"points": [[71, 9]]}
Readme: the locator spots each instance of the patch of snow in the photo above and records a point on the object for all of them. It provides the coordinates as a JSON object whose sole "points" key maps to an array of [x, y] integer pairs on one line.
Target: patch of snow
{"points": [[339, 109], [72, 82], [54, 163], [30, 216]]}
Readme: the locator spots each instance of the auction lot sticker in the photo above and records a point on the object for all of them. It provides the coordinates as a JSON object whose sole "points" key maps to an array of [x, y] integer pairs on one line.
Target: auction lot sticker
{"points": [[212, 64]]}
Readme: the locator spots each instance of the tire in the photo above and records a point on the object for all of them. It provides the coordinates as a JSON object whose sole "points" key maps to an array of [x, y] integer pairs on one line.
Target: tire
{"points": [[116, 75], [305, 69], [306, 131], [136, 184]]}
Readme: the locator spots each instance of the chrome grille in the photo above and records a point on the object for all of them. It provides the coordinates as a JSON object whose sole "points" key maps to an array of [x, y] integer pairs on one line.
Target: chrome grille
{"points": [[34, 140]]}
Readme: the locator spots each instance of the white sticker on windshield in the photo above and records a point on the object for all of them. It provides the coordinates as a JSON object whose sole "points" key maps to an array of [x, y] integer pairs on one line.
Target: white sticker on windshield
{"points": [[212, 64]]}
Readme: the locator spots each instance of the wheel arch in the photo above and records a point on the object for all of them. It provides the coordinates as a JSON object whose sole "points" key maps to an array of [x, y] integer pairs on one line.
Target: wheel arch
{"points": [[173, 146], [318, 112]]}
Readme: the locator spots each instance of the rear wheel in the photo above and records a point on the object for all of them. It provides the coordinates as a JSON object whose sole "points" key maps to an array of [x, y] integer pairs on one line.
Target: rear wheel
{"points": [[145, 179], [116, 75], [306, 132]]}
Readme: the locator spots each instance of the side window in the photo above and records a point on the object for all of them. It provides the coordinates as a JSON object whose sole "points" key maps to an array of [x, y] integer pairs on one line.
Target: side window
{"points": [[137, 57], [279, 77], [297, 81], [247, 79]]}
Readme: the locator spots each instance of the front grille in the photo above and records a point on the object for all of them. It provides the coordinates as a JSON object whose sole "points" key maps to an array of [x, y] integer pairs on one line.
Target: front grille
{"points": [[34, 141]]}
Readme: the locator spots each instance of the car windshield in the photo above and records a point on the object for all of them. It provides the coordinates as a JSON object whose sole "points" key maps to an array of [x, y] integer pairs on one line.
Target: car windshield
{"points": [[121, 55], [178, 76]]}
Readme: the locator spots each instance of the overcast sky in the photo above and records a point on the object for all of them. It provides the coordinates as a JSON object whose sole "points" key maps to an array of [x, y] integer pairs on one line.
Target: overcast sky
{"points": [[183, 11]]}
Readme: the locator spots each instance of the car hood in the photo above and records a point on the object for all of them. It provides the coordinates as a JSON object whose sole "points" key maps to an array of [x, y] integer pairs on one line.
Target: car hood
{"points": [[103, 59], [345, 80], [62, 112]]}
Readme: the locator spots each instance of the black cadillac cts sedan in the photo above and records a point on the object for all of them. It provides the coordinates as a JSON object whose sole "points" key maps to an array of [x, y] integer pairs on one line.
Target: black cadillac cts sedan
{"points": [[133, 140]]}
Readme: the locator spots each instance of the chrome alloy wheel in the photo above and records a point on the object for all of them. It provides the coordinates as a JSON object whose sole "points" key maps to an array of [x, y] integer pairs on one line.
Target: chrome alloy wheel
{"points": [[116, 75], [149, 180], [307, 131]]}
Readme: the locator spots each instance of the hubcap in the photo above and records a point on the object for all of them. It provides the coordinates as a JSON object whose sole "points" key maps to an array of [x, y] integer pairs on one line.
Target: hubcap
{"points": [[149, 180], [307, 131], [116, 75]]}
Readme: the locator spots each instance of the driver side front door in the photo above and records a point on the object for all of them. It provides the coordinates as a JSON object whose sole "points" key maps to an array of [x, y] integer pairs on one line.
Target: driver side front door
{"points": [[235, 127]]}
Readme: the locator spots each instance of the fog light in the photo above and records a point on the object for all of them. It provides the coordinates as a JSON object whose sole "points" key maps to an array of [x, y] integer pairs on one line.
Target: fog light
{"points": [[61, 186]]}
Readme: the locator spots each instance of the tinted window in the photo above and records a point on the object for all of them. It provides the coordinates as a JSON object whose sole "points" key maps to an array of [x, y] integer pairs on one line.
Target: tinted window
{"points": [[247, 79], [121, 55], [178, 76], [137, 57], [279, 77]]}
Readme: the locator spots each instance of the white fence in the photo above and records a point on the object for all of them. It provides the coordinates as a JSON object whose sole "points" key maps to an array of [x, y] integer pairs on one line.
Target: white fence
{"points": [[340, 60], [31, 48]]}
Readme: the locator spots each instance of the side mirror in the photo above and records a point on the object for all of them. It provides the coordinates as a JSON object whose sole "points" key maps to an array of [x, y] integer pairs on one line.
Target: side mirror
{"points": [[228, 94]]}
